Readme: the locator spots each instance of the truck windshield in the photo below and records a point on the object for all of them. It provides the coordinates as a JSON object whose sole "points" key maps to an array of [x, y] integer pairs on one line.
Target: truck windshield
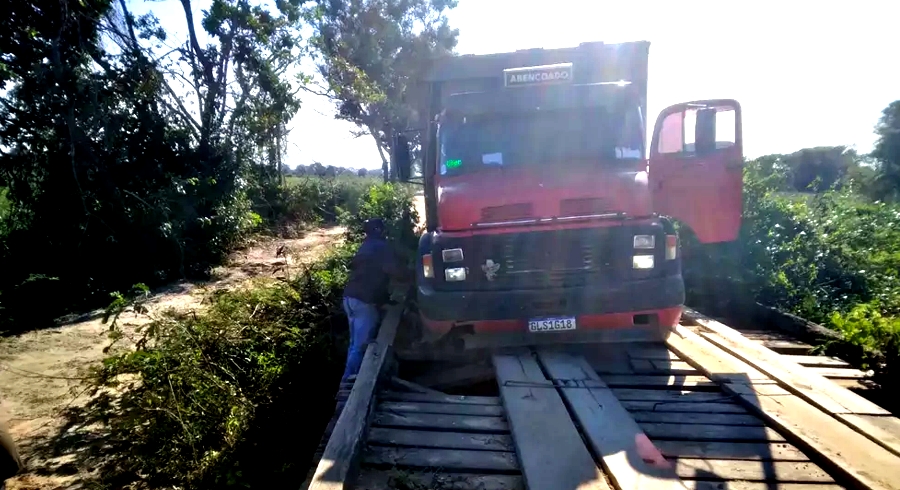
{"points": [[539, 138]]}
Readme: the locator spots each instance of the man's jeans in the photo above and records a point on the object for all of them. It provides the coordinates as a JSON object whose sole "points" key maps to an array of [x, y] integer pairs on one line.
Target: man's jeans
{"points": [[363, 319]]}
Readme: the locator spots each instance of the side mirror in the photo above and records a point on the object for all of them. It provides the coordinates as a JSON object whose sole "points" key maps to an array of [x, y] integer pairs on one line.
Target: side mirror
{"points": [[401, 158], [705, 131]]}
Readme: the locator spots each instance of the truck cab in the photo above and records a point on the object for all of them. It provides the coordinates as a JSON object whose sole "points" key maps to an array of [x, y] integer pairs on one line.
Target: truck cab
{"points": [[548, 219]]}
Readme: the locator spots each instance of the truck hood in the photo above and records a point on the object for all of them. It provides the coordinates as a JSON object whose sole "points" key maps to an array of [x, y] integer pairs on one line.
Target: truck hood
{"points": [[503, 194]]}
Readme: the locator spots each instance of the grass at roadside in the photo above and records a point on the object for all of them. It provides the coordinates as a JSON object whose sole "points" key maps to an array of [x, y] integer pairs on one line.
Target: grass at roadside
{"points": [[237, 395]]}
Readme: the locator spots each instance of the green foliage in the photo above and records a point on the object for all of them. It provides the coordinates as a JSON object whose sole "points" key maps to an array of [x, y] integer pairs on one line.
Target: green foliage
{"points": [[205, 389], [886, 185], [832, 258], [237, 396], [393, 203], [110, 179], [370, 54]]}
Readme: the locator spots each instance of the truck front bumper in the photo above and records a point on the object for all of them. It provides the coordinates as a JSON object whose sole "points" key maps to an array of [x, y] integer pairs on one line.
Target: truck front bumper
{"points": [[649, 302]]}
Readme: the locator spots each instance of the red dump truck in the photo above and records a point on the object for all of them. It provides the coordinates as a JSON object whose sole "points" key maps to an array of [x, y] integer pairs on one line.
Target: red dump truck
{"points": [[548, 220]]}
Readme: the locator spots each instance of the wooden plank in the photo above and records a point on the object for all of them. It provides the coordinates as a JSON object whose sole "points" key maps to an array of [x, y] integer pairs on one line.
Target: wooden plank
{"points": [[819, 361], [710, 432], [839, 373], [652, 366], [628, 456], [770, 471], [787, 347], [847, 452], [850, 384], [697, 418], [448, 408], [414, 387], [629, 394], [751, 451], [419, 397], [763, 335], [673, 407], [551, 451], [370, 479], [755, 485], [674, 367], [651, 351], [804, 383], [343, 446], [437, 439], [463, 423], [662, 381], [445, 459], [795, 378], [887, 423], [454, 377]]}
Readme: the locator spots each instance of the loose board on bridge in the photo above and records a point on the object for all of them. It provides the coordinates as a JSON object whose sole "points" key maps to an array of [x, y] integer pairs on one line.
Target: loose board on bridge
{"points": [[628, 456], [334, 469], [808, 384], [860, 460], [551, 453]]}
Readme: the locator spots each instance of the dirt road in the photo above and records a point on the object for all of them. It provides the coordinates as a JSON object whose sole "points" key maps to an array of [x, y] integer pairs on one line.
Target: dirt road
{"points": [[40, 371]]}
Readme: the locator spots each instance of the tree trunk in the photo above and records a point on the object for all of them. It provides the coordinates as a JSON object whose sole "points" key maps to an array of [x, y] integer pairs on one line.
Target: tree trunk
{"points": [[385, 164]]}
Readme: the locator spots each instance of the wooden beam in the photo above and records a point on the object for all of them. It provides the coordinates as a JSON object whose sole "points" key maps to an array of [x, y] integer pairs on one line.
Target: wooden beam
{"points": [[847, 452], [334, 469], [451, 408], [392, 480], [627, 454], [440, 421], [818, 361], [439, 439], [447, 459], [797, 379], [551, 452], [803, 382], [429, 398], [414, 387]]}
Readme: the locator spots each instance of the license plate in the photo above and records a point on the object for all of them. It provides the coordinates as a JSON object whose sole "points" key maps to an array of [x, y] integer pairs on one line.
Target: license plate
{"points": [[551, 324]]}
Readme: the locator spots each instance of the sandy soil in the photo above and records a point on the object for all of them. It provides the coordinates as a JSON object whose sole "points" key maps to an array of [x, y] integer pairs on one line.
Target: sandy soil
{"points": [[40, 371]]}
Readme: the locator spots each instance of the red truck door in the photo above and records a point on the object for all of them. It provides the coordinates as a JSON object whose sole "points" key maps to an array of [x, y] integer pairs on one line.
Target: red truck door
{"points": [[696, 167]]}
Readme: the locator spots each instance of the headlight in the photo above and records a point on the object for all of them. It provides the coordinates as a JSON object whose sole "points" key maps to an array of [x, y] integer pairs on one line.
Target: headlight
{"points": [[642, 262], [644, 242], [455, 274], [452, 255]]}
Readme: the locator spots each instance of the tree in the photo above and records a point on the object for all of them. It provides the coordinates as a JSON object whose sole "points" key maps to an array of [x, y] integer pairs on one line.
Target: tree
{"points": [[887, 153], [370, 52], [102, 156]]}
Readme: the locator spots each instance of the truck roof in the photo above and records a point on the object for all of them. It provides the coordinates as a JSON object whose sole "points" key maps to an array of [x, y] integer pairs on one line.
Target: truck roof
{"points": [[593, 61]]}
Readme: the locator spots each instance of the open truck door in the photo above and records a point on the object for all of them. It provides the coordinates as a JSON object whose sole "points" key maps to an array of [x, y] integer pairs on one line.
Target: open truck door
{"points": [[696, 167]]}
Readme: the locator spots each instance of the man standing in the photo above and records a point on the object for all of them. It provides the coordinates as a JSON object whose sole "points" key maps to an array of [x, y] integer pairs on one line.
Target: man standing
{"points": [[367, 290]]}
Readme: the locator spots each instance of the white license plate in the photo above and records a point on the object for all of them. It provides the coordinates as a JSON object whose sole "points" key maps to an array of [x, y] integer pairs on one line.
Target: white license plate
{"points": [[551, 324]]}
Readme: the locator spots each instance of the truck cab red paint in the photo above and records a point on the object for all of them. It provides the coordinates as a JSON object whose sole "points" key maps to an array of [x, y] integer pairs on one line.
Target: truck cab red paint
{"points": [[544, 208]]}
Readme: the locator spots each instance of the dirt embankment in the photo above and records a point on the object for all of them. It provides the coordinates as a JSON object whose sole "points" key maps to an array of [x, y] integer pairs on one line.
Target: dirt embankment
{"points": [[41, 371]]}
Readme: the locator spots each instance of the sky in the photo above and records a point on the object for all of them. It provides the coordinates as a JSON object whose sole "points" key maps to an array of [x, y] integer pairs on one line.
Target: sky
{"points": [[805, 75]]}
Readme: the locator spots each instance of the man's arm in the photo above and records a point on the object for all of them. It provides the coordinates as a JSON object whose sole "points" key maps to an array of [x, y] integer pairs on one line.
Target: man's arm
{"points": [[393, 266]]}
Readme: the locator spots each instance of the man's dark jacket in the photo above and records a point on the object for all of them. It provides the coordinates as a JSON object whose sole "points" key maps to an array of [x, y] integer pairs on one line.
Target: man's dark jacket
{"points": [[370, 271]]}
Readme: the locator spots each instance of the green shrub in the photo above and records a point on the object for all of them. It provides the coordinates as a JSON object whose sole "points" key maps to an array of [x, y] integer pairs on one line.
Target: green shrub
{"points": [[832, 258], [394, 204], [239, 395]]}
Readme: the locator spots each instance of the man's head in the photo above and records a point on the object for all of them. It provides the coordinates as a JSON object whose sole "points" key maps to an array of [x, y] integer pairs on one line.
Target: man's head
{"points": [[374, 227]]}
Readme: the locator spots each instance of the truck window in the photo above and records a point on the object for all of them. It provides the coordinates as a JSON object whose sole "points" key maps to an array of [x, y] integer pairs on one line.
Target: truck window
{"points": [[539, 138]]}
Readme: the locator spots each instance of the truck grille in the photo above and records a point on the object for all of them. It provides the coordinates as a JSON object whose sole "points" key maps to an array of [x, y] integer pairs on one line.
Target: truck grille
{"points": [[538, 260]]}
